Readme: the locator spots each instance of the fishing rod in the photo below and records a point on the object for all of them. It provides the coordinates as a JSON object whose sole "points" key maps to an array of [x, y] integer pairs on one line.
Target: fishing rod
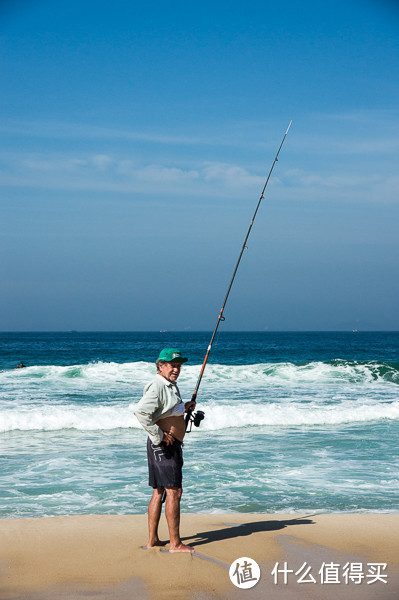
{"points": [[200, 415]]}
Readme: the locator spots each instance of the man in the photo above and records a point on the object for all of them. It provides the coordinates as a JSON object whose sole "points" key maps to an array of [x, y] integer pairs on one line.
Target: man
{"points": [[161, 413]]}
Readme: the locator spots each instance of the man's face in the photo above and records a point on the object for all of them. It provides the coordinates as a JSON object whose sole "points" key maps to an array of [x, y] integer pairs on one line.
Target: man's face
{"points": [[170, 370]]}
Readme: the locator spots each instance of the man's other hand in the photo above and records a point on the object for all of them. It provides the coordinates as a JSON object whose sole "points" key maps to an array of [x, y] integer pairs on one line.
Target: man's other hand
{"points": [[168, 438]]}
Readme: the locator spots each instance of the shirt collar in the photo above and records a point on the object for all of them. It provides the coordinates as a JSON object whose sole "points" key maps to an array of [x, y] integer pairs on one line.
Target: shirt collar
{"points": [[166, 381]]}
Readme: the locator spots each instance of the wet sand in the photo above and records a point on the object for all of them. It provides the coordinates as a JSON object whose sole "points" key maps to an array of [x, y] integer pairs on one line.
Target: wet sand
{"points": [[102, 557]]}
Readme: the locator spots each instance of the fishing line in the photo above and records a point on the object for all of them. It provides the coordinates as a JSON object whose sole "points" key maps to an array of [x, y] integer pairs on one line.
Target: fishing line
{"points": [[221, 318]]}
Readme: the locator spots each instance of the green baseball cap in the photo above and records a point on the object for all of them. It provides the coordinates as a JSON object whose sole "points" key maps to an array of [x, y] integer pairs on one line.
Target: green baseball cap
{"points": [[172, 355]]}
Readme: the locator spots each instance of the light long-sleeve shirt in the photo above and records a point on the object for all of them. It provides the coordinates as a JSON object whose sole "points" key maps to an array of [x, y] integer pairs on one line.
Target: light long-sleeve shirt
{"points": [[158, 401]]}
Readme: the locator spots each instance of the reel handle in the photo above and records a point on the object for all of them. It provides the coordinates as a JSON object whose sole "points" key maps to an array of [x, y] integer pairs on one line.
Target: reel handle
{"points": [[190, 410]]}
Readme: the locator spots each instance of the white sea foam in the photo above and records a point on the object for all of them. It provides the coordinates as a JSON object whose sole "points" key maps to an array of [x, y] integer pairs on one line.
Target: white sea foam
{"points": [[55, 418], [140, 372], [101, 396], [295, 414], [93, 418]]}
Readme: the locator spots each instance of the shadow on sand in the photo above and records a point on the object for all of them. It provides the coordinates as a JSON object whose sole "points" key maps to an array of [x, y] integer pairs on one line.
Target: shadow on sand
{"points": [[237, 531]]}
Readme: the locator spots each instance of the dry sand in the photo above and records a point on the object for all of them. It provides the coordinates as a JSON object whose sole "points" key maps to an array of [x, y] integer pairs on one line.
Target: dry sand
{"points": [[102, 557]]}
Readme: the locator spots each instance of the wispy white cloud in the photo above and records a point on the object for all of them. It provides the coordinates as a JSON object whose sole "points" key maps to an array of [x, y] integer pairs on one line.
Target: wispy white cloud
{"points": [[230, 175], [354, 132], [59, 130], [376, 188], [302, 178], [362, 116], [107, 173], [156, 173], [344, 144], [360, 132], [350, 154]]}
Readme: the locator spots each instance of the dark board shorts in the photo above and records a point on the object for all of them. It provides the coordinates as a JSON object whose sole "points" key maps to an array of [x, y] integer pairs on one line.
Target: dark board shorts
{"points": [[165, 464]]}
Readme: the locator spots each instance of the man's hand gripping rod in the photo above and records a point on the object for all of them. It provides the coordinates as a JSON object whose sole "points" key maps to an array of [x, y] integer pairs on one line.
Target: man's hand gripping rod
{"points": [[221, 317]]}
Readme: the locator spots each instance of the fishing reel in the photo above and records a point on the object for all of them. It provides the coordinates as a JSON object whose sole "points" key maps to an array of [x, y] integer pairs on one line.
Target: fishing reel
{"points": [[194, 419]]}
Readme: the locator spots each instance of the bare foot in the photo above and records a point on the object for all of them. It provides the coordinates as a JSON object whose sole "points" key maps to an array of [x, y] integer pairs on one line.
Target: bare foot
{"points": [[181, 548], [156, 543]]}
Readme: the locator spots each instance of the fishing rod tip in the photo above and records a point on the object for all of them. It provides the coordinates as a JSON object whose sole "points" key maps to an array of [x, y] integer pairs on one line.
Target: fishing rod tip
{"points": [[288, 127]]}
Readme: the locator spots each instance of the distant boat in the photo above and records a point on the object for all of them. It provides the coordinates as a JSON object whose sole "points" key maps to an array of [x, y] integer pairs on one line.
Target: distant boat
{"points": [[163, 331]]}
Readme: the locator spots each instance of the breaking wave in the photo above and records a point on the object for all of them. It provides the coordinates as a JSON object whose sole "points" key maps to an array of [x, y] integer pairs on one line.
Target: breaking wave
{"points": [[101, 396], [347, 371]]}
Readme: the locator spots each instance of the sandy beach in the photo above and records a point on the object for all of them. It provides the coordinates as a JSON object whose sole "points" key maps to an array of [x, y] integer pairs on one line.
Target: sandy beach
{"points": [[80, 557]]}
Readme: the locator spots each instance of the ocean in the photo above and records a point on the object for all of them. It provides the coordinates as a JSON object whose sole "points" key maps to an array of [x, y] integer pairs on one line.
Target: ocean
{"points": [[294, 422]]}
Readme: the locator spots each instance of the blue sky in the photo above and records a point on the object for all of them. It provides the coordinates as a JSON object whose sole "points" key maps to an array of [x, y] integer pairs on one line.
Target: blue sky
{"points": [[134, 143]]}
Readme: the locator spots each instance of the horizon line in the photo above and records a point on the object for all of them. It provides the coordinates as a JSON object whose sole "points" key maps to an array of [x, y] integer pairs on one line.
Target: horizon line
{"points": [[203, 331]]}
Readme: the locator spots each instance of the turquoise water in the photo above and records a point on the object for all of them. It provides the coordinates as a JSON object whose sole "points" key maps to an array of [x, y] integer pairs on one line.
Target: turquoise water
{"points": [[294, 422]]}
